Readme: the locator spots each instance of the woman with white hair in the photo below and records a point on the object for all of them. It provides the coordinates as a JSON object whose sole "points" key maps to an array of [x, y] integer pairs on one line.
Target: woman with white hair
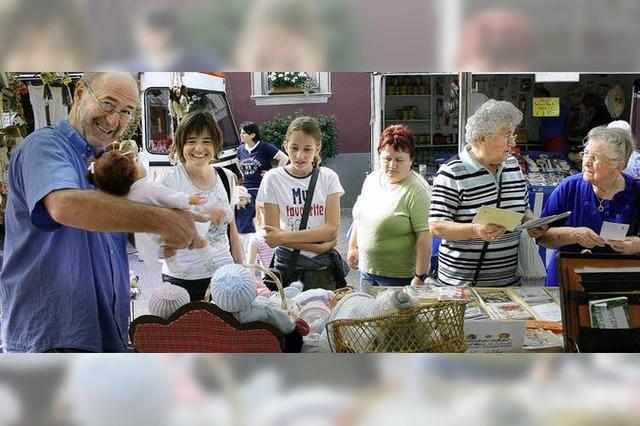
{"points": [[482, 174], [601, 193]]}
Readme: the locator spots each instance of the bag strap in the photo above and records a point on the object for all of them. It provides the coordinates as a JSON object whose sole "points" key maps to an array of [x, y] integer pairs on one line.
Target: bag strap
{"points": [[485, 246], [303, 220], [225, 181], [227, 187]]}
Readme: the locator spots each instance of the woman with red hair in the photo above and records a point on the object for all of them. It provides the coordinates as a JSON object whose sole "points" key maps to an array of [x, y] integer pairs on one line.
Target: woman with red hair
{"points": [[390, 242]]}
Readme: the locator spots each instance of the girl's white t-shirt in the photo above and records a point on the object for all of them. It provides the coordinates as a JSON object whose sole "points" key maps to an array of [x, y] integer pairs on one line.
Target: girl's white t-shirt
{"points": [[289, 193], [196, 266]]}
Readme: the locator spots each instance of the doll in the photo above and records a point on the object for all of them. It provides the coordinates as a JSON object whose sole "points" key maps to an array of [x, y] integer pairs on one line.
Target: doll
{"points": [[119, 174]]}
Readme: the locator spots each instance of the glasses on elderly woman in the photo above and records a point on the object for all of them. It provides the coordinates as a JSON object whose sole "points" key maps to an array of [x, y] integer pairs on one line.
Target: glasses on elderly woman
{"points": [[596, 158]]}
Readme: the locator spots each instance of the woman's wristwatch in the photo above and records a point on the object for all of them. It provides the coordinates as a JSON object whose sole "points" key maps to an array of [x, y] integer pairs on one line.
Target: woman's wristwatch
{"points": [[422, 277]]}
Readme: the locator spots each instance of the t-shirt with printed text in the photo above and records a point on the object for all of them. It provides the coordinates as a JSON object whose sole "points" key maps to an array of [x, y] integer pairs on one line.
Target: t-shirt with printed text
{"points": [[289, 193]]}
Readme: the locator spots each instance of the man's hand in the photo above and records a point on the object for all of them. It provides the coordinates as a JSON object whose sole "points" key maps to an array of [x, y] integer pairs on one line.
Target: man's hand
{"points": [[630, 245], [489, 233], [587, 238], [179, 229]]}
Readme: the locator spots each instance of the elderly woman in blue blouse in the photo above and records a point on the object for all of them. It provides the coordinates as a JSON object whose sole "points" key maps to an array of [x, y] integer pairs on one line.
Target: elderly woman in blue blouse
{"points": [[601, 193]]}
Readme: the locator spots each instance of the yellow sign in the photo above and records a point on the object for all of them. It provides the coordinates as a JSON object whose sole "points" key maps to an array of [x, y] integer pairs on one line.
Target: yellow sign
{"points": [[546, 107]]}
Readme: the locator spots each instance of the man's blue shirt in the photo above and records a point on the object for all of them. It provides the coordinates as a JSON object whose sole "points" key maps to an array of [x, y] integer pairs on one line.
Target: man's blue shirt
{"points": [[60, 286]]}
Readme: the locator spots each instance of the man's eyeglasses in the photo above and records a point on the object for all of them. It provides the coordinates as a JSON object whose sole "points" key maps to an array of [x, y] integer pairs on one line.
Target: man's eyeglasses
{"points": [[109, 108]]}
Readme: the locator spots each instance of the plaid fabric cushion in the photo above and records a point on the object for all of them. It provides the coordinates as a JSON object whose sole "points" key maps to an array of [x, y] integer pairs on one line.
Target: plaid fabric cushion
{"points": [[198, 329]]}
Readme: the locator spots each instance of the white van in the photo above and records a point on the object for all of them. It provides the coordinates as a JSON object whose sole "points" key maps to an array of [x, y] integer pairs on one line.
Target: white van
{"points": [[158, 126]]}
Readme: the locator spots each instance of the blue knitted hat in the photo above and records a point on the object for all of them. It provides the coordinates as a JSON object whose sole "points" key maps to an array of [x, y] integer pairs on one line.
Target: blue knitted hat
{"points": [[232, 288]]}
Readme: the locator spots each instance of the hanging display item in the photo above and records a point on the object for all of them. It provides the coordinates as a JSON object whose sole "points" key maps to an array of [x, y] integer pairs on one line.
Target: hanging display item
{"points": [[48, 78], [178, 97], [65, 80], [615, 101]]}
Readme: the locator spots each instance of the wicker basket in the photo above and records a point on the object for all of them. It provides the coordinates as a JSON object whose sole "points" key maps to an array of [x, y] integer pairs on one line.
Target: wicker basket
{"points": [[437, 327], [284, 306]]}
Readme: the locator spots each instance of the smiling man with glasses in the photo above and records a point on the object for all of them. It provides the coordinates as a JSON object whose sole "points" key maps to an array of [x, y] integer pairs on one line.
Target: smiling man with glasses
{"points": [[601, 193], [108, 107], [64, 285]]}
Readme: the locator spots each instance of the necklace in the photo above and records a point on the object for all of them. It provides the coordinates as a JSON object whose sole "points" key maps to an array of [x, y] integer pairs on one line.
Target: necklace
{"points": [[601, 200]]}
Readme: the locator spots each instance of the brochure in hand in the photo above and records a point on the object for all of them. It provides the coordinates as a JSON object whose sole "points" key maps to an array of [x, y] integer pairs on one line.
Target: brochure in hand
{"points": [[488, 215], [534, 223]]}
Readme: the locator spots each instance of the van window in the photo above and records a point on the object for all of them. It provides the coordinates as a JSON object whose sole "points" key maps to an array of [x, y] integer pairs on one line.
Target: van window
{"points": [[160, 125]]}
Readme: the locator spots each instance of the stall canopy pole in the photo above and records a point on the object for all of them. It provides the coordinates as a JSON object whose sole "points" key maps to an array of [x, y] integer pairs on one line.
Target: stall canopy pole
{"points": [[465, 97]]}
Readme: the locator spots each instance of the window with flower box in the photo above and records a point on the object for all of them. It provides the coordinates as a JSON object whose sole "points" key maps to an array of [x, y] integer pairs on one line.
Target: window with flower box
{"points": [[285, 88]]}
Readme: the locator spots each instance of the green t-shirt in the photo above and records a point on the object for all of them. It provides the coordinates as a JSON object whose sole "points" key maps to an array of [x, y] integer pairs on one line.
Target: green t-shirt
{"points": [[388, 217]]}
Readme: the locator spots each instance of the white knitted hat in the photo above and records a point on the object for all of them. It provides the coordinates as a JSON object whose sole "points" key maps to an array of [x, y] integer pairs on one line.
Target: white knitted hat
{"points": [[166, 299], [232, 288]]}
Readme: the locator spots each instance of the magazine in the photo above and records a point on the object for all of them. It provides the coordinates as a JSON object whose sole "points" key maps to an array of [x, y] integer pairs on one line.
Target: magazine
{"points": [[534, 223], [509, 311], [493, 295], [548, 311], [609, 313], [533, 295]]}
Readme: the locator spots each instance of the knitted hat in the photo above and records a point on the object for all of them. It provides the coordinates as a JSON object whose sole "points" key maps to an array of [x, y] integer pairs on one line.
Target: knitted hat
{"points": [[166, 299], [232, 288]]}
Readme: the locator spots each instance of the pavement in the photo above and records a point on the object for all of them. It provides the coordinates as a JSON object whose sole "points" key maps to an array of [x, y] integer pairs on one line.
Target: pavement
{"points": [[150, 275]]}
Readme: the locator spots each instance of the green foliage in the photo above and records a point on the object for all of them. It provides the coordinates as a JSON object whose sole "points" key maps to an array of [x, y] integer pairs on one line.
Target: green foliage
{"points": [[275, 131]]}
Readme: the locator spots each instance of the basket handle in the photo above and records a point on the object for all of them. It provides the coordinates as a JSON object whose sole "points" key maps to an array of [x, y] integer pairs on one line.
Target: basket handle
{"points": [[275, 279]]}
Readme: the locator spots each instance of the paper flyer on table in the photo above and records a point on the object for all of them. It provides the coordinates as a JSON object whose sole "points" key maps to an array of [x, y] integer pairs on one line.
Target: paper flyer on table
{"points": [[494, 336], [494, 216]]}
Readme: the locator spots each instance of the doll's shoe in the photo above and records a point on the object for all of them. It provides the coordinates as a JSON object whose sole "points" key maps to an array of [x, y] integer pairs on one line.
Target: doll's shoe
{"points": [[174, 264]]}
